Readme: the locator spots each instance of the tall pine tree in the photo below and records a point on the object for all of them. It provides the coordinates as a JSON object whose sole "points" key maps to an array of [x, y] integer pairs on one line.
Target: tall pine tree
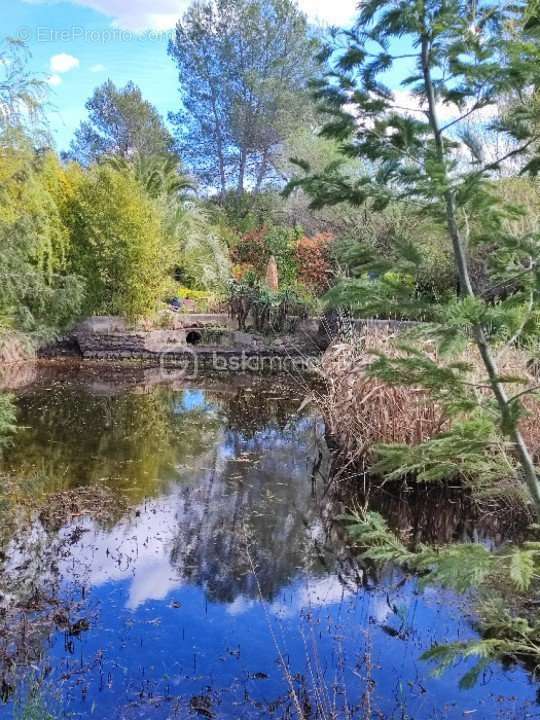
{"points": [[467, 64]]}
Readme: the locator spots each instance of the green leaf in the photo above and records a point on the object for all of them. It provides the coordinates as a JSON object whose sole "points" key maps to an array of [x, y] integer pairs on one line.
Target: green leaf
{"points": [[522, 568]]}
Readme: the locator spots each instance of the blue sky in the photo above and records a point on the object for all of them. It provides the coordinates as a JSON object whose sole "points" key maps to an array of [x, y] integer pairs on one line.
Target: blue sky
{"points": [[78, 44]]}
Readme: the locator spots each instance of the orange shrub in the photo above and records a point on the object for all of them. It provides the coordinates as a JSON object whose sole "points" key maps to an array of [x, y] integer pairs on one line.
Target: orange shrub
{"points": [[313, 256], [251, 252]]}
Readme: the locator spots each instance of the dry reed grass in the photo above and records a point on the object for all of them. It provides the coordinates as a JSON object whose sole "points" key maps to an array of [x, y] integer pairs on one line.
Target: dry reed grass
{"points": [[362, 411]]}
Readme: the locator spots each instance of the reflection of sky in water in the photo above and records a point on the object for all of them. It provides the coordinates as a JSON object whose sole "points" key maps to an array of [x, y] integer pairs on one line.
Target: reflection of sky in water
{"points": [[176, 612], [191, 400], [185, 646]]}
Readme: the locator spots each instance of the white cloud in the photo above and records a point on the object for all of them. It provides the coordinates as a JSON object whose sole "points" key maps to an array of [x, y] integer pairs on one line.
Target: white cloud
{"points": [[447, 112], [313, 594], [335, 12], [54, 80], [134, 15], [98, 68], [63, 63], [138, 15]]}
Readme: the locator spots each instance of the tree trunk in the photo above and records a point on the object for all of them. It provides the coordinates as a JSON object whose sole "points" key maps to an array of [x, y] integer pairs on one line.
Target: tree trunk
{"points": [[262, 171], [241, 173], [466, 290], [219, 138]]}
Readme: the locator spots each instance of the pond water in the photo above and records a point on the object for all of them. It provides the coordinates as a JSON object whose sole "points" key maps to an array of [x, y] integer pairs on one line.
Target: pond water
{"points": [[199, 576]]}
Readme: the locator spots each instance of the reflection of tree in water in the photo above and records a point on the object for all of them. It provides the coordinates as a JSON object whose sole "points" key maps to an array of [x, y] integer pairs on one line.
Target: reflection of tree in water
{"points": [[132, 442], [244, 458], [433, 514], [253, 409], [259, 489]]}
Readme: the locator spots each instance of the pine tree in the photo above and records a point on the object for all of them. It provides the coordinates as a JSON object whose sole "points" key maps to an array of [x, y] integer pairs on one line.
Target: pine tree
{"points": [[121, 124], [471, 64], [244, 67]]}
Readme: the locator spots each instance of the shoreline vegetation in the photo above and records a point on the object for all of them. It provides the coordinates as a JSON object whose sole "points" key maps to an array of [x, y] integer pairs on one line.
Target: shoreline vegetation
{"points": [[371, 425], [367, 415], [382, 173]]}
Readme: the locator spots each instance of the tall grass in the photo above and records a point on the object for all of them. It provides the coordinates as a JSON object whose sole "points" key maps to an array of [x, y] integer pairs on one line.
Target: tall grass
{"points": [[363, 412]]}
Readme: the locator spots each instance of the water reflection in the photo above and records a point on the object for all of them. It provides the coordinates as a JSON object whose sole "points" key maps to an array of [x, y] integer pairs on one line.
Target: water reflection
{"points": [[214, 574], [135, 443]]}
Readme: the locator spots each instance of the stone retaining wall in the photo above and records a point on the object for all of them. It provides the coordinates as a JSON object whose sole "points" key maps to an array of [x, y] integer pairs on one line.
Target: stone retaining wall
{"points": [[111, 338], [158, 343]]}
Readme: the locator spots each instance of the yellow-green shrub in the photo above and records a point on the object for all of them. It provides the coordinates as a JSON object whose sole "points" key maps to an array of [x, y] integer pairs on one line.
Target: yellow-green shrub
{"points": [[118, 244]]}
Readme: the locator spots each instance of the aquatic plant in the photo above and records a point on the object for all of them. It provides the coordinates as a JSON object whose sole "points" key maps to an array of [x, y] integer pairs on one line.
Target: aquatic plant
{"points": [[33, 706]]}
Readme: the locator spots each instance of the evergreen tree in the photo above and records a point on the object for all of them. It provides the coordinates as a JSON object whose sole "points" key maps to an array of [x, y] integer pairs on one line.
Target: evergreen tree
{"points": [[121, 123], [244, 67], [464, 58]]}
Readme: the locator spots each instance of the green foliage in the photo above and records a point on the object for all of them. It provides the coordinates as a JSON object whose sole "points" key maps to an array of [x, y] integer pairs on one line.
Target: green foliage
{"points": [[282, 243], [161, 176], [382, 253], [8, 418], [36, 287], [245, 212], [446, 655], [462, 568], [118, 244], [371, 533], [389, 296], [457, 567], [120, 124], [32, 705], [447, 384], [523, 566], [467, 64], [254, 305], [468, 451], [22, 93], [244, 67], [301, 261], [105, 239], [197, 245], [37, 292], [252, 251], [201, 252]]}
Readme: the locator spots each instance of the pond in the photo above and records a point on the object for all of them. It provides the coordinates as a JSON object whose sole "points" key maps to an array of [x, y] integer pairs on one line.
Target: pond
{"points": [[181, 561]]}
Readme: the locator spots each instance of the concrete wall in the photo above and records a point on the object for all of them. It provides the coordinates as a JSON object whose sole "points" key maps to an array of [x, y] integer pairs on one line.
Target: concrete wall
{"points": [[111, 337]]}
